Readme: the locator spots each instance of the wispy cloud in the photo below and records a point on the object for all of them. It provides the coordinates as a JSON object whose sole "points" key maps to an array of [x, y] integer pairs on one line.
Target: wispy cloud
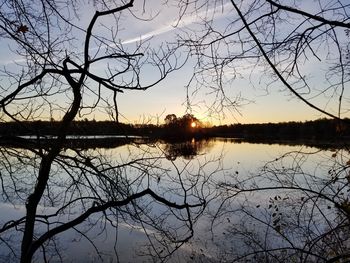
{"points": [[159, 31], [172, 25], [13, 61], [185, 21]]}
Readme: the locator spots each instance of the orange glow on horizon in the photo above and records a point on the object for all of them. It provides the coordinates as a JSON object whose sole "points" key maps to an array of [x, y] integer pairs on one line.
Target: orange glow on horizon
{"points": [[193, 124]]}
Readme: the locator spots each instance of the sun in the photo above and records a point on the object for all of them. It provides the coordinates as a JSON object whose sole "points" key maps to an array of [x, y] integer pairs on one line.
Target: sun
{"points": [[193, 124]]}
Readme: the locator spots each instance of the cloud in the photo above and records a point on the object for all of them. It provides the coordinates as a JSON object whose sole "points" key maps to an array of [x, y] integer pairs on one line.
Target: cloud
{"points": [[172, 25], [13, 61], [185, 21], [153, 33]]}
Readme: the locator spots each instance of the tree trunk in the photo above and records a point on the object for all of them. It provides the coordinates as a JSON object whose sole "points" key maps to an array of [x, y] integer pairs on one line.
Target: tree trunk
{"points": [[31, 207], [27, 250]]}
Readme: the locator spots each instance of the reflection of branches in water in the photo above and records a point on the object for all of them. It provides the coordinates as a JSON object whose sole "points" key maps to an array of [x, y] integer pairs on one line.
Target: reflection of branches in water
{"points": [[289, 211], [186, 149], [104, 188], [294, 208]]}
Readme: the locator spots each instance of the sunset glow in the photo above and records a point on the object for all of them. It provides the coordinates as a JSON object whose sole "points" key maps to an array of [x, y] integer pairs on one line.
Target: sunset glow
{"points": [[193, 124]]}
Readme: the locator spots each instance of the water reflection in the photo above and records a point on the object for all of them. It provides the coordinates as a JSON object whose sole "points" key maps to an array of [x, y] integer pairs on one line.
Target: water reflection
{"points": [[186, 149], [242, 202], [294, 208]]}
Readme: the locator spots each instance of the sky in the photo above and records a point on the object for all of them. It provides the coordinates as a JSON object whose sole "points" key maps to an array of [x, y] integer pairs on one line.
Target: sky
{"points": [[276, 105], [169, 96]]}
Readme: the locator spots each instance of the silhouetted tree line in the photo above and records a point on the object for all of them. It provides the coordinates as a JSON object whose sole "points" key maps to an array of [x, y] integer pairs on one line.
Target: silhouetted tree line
{"points": [[173, 127], [76, 128], [317, 129], [187, 126]]}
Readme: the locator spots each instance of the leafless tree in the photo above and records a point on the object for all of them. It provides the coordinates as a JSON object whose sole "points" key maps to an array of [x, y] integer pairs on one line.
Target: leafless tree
{"points": [[66, 69], [301, 48]]}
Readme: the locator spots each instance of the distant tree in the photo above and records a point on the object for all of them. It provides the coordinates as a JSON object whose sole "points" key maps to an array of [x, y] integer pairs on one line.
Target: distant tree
{"points": [[170, 119], [181, 126]]}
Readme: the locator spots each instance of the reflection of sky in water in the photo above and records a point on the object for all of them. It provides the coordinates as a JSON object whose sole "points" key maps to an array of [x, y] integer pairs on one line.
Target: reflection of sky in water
{"points": [[223, 158]]}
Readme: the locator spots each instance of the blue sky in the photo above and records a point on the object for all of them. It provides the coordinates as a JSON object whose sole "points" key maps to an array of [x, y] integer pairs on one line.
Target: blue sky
{"points": [[169, 96], [276, 105]]}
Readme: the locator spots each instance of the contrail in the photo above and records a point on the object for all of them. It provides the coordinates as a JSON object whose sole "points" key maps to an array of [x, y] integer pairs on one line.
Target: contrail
{"points": [[190, 19]]}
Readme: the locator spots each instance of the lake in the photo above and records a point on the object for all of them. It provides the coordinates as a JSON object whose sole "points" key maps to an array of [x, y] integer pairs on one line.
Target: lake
{"points": [[217, 200]]}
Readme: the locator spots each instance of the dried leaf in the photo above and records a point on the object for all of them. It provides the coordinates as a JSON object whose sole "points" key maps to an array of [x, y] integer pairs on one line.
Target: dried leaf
{"points": [[22, 29]]}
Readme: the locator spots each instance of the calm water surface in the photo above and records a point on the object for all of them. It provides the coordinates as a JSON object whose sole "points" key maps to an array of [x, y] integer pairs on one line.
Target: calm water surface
{"points": [[223, 172]]}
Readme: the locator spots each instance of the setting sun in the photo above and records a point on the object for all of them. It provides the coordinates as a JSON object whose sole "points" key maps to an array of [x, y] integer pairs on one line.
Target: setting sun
{"points": [[193, 124]]}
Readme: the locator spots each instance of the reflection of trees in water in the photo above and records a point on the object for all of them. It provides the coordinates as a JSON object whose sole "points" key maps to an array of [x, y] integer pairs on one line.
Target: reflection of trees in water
{"points": [[295, 209], [186, 149], [93, 192]]}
